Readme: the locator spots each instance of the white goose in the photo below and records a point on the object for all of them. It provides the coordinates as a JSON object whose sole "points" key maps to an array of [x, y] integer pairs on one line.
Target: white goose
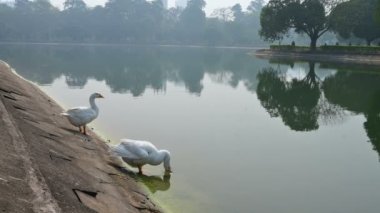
{"points": [[138, 153], [81, 116]]}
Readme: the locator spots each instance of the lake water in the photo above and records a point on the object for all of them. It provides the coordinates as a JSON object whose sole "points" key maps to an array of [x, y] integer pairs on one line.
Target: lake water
{"points": [[246, 134]]}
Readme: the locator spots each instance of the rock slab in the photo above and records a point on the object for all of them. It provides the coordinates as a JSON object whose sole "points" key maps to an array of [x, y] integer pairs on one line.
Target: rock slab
{"points": [[46, 165]]}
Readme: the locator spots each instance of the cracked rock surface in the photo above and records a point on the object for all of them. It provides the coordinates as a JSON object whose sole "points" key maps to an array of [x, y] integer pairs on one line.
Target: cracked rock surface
{"points": [[47, 166]]}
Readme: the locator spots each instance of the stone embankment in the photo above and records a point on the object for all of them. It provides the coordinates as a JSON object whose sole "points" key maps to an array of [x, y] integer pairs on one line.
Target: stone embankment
{"points": [[47, 166]]}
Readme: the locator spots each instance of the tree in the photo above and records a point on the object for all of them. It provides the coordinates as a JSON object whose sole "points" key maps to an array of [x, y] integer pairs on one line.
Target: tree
{"points": [[238, 27], [306, 17], [75, 21], [5, 21], [128, 21], [213, 31], [44, 19], [41, 6], [196, 4], [224, 14], [192, 20], [256, 6], [238, 12], [22, 5], [74, 5], [377, 12], [253, 20], [357, 18], [274, 21]]}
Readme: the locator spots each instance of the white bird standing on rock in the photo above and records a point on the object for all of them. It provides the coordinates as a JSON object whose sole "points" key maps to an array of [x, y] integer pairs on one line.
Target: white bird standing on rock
{"points": [[138, 153], [81, 116]]}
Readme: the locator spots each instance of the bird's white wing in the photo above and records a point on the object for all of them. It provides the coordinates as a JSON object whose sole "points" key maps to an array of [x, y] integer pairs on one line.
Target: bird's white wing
{"points": [[145, 144], [130, 150], [81, 114], [77, 110]]}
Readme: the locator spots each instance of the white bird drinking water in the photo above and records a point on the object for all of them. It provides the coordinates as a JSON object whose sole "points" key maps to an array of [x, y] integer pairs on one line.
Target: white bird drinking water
{"points": [[139, 153]]}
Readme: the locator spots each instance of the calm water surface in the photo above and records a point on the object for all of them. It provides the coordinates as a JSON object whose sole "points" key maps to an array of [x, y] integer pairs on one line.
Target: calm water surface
{"points": [[246, 135]]}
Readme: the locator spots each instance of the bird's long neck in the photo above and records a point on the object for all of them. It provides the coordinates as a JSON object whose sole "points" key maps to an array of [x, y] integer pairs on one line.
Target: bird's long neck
{"points": [[165, 157], [93, 105]]}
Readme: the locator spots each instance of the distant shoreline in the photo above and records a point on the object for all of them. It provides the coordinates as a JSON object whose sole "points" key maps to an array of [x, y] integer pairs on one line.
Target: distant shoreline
{"points": [[319, 57], [131, 45]]}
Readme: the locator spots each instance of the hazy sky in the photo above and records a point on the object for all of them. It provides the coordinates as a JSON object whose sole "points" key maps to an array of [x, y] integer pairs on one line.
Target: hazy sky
{"points": [[211, 4]]}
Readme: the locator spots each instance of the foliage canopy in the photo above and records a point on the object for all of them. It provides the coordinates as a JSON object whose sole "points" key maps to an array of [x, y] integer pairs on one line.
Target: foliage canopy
{"points": [[303, 16]]}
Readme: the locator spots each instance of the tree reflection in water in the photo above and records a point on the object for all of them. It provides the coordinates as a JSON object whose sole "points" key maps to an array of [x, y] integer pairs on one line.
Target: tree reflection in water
{"points": [[131, 69], [303, 104], [359, 93], [295, 100]]}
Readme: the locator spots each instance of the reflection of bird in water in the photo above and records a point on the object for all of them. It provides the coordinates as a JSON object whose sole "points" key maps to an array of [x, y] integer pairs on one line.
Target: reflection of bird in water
{"points": [[155, 183], [81, 116], [138, 153]]}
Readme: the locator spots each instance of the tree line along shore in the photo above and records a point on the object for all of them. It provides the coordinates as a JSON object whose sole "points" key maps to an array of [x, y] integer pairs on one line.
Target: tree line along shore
{"points": [[306, 22], [130, 21]]}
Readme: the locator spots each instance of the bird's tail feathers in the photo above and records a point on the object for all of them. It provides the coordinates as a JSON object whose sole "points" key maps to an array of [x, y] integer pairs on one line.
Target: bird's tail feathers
{"points": [[64, 114]]}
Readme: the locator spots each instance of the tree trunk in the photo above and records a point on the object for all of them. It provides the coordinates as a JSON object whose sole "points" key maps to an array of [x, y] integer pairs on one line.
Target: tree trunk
{"points": [[312, 67], [369, 42], [311, 77], [313, 43]]}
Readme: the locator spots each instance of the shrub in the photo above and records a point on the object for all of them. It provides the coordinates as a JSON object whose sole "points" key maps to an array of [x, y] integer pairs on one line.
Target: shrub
{"points": [[289, 48], [351, 49]]}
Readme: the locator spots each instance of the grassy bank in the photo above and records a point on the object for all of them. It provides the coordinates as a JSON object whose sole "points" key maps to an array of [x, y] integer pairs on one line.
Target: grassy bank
{"points": [[326, 49]]}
